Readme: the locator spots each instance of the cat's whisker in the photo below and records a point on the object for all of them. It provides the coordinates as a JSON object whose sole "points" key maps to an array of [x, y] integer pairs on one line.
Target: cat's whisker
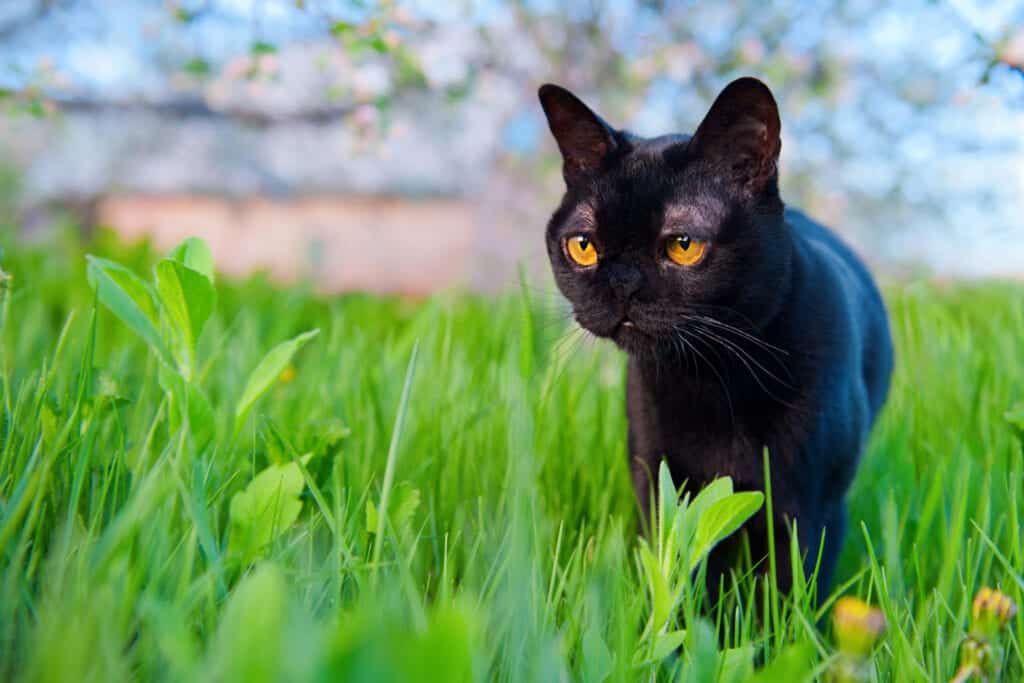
{"points": [[561, 353], [743, 333], [560, 349], [768, 353], [557, 316], [743, 356], [687, 312], [557, 325], [740, 351], [722, 311], [683, 347], [721, 380], [715, 340], [680, 349], [556, 308]]}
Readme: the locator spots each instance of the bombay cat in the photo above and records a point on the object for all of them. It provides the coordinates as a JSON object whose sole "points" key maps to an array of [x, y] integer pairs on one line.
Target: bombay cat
{"points": [[747, 325]]}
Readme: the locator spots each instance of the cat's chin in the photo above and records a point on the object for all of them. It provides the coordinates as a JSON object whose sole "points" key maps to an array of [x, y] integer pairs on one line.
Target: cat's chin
{"points": [[634, 341]]}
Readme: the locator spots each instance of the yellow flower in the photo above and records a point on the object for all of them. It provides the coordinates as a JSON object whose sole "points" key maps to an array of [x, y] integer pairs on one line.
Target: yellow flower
{"points": [[981, 652], [287, 375], [858, 625], [992, 610]]}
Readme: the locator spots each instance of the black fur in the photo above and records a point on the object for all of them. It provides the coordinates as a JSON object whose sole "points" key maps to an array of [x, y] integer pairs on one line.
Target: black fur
{"points": [[778, 338]]}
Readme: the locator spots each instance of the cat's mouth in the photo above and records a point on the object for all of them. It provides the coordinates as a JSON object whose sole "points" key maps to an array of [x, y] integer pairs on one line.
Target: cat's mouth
{"points": [[624, 326], [629, 336]]}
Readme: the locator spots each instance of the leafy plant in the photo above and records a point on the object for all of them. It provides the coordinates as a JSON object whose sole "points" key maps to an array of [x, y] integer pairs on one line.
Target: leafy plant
{"points": [[266, 507], [685, 533], [169, 315]]}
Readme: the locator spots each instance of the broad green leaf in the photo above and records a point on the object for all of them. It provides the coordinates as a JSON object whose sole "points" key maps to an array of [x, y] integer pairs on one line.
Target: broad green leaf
{"points": [[661, 597], [362, 647], [736, 664], [721, 519], [268, 370], [405, 503], [712, 493], [445, 650], [701, 655], [250, 643], [688, 516], [131, 300], [201, 420], [795, 664], [188, 298], [195, 254], [664, 645], [597, 660], [267, 507], [667, 643]]}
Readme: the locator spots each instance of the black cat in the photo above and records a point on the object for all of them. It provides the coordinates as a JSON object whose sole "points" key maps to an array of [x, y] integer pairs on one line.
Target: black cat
{"points": [[748, 326]]}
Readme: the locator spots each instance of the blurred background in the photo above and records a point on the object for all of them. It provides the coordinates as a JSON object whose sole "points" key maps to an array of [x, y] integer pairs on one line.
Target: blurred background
{"points": [[399, 147]]}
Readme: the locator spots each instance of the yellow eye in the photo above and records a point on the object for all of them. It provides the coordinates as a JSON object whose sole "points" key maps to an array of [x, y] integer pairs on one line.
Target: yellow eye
{"points": [[581, 250], [684, 251]]}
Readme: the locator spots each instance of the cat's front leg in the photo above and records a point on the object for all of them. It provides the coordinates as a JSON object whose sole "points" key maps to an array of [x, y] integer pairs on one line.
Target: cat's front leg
{"points": [[644, 442], [643, 469]]}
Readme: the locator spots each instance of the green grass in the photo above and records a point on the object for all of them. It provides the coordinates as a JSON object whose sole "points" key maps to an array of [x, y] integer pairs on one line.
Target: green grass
{"points": [[509, 550]]}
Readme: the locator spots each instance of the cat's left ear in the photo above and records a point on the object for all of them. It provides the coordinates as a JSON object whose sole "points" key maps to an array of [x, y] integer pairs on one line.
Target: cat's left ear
{"points": [[739, 137], [583, 138]]}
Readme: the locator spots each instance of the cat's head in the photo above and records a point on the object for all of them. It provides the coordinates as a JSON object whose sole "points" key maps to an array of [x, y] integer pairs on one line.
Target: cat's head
{"points": [[652, 232]]}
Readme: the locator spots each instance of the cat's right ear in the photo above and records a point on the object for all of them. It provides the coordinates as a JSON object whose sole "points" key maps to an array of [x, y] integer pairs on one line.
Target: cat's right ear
{"points": [[740, 136], [584, 140]]}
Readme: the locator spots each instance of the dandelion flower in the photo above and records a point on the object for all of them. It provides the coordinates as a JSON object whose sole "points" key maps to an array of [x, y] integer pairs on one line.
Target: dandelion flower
{"points": [[858, 625]]}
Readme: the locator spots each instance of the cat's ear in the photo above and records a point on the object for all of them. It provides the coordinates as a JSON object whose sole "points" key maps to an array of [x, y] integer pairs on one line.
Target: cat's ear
{"points": [[739, 137], [584, 140]]}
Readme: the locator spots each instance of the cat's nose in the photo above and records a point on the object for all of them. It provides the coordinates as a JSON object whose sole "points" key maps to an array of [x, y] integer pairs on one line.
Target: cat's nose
{"points": [[625, 280]]}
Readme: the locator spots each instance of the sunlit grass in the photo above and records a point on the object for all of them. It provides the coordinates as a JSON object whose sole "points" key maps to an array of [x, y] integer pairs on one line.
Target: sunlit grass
{"points": [[509, 551]]}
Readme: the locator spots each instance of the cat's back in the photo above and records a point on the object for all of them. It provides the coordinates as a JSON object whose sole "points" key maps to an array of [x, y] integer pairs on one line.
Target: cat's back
{"points": [[838, 288], [829, 246]]}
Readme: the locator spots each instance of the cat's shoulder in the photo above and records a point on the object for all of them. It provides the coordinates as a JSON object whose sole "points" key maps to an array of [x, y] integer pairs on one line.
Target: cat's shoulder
{"points": [[832, 252]]}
